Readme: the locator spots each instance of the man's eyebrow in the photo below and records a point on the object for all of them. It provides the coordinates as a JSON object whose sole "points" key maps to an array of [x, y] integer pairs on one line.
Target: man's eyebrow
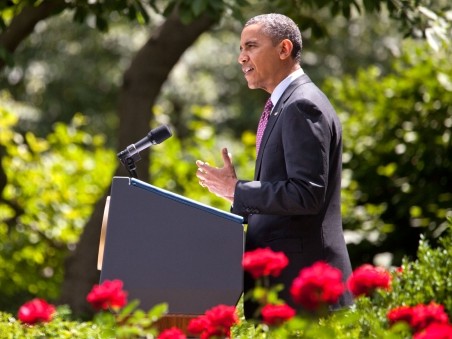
{"points": [[248, 43]]}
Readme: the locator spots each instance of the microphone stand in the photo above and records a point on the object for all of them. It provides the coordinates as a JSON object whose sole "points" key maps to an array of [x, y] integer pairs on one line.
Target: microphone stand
{"points": [[129, 161], [131, 167]]}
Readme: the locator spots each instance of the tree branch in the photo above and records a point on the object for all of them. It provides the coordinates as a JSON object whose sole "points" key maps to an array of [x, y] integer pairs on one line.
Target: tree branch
{"points": [[23, 24]]}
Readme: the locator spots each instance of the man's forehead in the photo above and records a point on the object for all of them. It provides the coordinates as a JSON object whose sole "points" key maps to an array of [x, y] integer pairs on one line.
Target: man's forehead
{"points": [[253, 33], [253, 28]]}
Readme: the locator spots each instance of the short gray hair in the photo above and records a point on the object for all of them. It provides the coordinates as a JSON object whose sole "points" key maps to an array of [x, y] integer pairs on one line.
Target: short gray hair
{"points": [[279, 27]]}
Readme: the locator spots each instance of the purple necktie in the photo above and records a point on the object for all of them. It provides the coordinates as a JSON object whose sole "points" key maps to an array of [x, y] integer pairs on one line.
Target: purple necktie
{"points": [[263, 123]]}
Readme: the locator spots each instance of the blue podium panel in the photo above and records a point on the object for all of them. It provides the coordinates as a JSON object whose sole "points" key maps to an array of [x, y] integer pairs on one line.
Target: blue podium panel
{"points": [[167, 248]]}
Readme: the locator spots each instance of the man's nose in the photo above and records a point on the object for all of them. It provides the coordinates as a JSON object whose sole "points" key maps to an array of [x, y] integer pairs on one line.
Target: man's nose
{"points": [[242, 58]]}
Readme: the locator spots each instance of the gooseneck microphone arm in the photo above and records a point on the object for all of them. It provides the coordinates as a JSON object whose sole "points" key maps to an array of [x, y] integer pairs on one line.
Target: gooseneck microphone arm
{"points": [[131, 153]]}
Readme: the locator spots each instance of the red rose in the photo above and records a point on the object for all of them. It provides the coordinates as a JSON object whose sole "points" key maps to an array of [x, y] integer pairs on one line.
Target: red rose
{"points": [[216, 322], [402, 313], [263, 262], [198, 325], [419, 317], [172, 333], [424, 315], [277, 314], [435, 331], [221, 318], [366, 278], [108, 294], [36, 310], [317, 285]]}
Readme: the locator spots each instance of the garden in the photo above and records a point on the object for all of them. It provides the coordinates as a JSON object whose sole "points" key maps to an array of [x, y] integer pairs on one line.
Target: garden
{"points": [[413, 300], [83, 79]]}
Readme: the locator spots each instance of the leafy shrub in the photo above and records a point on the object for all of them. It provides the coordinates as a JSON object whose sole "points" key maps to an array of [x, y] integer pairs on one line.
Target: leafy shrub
{"points": [[423, 285]]}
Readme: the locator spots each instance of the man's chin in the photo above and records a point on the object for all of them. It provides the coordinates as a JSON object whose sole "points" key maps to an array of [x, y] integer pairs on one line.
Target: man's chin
{"points": [[252, 85]]}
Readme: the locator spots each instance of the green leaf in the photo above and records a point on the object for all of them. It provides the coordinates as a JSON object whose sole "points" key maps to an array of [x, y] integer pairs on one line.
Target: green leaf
{"points": [[158, 311], [144, 16], [128, 309], [198, 6]]}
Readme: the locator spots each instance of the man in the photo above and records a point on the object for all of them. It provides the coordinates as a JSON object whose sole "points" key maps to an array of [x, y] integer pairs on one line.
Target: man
{"points": [[293, 203]]}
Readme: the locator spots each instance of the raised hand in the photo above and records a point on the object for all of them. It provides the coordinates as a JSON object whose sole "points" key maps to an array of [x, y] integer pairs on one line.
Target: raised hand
{"points": [[220, 181]]}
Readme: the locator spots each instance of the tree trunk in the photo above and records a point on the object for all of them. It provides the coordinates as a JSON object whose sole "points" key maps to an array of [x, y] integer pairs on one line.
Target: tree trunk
{"points": [[141, 86]]}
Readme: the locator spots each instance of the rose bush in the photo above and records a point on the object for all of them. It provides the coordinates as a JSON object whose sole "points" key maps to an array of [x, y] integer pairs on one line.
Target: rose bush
{"points": [[417, 305]]}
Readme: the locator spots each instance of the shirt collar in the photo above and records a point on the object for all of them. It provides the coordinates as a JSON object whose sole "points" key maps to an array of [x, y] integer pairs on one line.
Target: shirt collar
{"points": [[282, 86]]}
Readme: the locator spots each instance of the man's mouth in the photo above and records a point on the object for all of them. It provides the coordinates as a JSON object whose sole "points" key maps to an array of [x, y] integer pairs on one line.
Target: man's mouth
{"points": [[246, 70]]}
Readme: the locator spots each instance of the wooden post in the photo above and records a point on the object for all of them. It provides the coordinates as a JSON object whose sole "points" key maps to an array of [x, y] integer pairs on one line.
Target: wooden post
{"points": [[180, 321]]}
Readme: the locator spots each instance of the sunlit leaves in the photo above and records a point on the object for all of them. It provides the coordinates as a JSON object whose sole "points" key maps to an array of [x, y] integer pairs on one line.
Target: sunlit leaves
{"points": [[396, 142], [7, 121], [52, 185]]}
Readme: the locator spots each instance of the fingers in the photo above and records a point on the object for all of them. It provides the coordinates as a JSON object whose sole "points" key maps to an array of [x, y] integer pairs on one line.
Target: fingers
{"points": [[200, 173], [202, 165], [202, 169], [201, 177]]}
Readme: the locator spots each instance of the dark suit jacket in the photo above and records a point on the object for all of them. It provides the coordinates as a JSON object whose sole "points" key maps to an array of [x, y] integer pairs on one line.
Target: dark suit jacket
{"points": [[293, 205]]}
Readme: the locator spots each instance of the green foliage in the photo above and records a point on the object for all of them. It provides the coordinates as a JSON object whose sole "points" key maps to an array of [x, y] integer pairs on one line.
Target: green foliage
{"points": [[427, 279], [413, 17], [133, 322], [129, 322], [52, 186], [56, 74], [60, 327], [100, 12], [397, 146]]}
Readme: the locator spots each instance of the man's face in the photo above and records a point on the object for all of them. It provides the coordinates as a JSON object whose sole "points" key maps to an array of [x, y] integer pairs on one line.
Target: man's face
{"points": [[259, 59]]}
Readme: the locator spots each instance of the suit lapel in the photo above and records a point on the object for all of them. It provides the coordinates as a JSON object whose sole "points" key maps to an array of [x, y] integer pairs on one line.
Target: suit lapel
{"points": [[274, 116]]}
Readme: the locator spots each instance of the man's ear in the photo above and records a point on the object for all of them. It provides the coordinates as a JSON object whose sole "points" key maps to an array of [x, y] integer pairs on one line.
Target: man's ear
{"points": [[286, 48]]}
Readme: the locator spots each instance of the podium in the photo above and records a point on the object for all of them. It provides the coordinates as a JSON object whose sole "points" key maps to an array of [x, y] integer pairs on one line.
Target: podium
{"points": [[168, 248]]}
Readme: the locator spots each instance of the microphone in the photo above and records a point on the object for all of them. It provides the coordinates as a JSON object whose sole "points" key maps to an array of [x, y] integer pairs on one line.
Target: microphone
{"points": [[131, 153]]}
